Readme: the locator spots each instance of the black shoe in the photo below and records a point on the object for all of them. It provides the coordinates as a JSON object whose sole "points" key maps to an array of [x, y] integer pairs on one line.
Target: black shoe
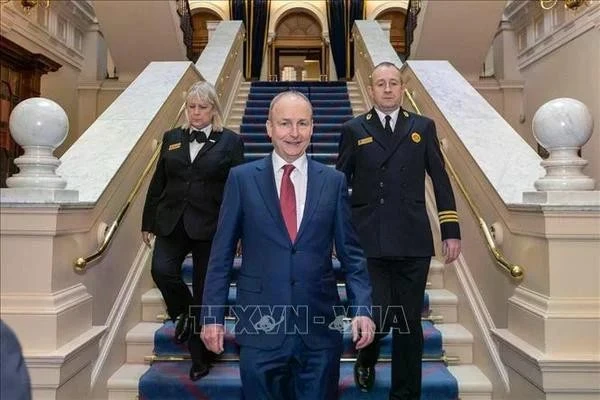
{"points": [[198, 370], [364, 377], [183, 328]]}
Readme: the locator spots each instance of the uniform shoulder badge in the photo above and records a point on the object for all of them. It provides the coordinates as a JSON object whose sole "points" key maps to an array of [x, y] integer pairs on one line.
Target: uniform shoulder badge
{"points": [[174, 146], [405, 114], [366, 140], [369, 116], [415, 137]]}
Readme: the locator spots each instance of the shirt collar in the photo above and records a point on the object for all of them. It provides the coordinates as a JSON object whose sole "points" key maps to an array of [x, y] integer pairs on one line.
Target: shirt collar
{"points": [[393, 114], [301, 163]]}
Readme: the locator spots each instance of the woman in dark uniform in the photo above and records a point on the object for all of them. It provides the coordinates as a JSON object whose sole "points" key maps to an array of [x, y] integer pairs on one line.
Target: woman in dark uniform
{"points": [[182, 208]]}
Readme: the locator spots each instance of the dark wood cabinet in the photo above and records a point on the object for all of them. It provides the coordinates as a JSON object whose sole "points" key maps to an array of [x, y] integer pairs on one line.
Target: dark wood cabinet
{"points": [[20, 76]]}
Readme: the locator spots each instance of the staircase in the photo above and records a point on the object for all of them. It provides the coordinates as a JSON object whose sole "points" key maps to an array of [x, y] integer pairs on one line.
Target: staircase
{"points": [[156, 368]]}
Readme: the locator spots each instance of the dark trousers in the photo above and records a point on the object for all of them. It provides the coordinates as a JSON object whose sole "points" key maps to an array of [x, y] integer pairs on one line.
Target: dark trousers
{"points": [[398, 290], [290, 372], [169, 253]]}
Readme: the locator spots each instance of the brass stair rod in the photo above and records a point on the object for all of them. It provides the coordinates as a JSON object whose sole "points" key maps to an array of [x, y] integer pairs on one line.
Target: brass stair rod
{"points": [[515, 271], [81, 263]]}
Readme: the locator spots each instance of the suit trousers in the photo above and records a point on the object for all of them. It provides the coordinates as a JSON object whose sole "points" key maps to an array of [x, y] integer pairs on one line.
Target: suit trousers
{"points": [[169, 253], [398, 291], [290, 372]]}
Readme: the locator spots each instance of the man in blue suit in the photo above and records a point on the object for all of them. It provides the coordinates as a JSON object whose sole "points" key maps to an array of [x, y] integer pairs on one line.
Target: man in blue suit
{"points": [[288, 211], [14, 378]]}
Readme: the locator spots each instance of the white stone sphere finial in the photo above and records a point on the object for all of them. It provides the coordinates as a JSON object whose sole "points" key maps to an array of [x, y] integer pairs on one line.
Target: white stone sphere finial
{"points": [[39, 125], [563, 126]]}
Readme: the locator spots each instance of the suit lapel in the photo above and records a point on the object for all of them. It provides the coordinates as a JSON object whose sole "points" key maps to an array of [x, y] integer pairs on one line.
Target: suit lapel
{"points": [[403, 127], [373, 127], [184, 136], [314, 189], [265, 181]]}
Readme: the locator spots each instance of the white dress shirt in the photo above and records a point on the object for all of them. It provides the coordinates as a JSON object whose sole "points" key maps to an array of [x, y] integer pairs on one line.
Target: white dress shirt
{"points": [[195, 146], [299, 177], [393, 114]]}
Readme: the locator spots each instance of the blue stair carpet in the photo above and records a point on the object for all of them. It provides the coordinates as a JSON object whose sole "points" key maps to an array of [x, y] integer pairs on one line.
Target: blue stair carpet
{"points": [[169, 380], [165, 346], [331, 107]]}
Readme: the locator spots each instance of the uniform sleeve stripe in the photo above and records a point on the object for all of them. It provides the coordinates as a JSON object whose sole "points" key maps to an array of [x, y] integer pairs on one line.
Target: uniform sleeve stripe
{"points": [[443, 221], [449, 213], [449, 217]]}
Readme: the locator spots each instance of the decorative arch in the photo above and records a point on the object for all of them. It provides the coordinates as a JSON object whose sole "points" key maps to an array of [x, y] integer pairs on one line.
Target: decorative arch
{"points": [[389, 6], [199, 18], [293, 6], [303, 23], [208, 6], [397, 17]]}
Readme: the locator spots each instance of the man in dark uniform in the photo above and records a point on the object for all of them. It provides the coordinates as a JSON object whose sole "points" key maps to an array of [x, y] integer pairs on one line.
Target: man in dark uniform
{"points": [[385, 154]]}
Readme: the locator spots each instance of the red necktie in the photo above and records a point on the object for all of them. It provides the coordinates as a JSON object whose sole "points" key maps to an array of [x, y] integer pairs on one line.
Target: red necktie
{"points": [[287, 199]]}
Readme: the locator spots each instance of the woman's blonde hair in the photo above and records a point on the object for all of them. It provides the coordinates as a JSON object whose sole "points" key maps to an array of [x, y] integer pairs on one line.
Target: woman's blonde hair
{"points": [[205, 92]]}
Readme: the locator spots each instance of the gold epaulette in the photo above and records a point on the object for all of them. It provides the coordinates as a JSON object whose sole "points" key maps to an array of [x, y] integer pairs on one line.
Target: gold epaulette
{"points": [[448, 216]]}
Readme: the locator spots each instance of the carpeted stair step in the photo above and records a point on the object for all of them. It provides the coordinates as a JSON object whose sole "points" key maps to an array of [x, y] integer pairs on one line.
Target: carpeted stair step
{"points": [[161, 343], [325, 158], [298, 83], [316, 103], [317, 128], [316, 137], [168, 380], [317, 119], [124, 383], [437, 383], [441, 301], [341, 288], [317, 111], [278, 89], [312, 148], [329, 96]]}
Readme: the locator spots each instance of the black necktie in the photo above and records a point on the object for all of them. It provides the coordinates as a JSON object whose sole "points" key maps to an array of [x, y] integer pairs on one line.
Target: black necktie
{"points": [[198, 136], [388, 126]]}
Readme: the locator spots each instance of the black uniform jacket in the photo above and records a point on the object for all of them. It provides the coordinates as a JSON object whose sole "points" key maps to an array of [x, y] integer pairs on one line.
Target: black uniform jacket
{"points": [[387, 176], [193, 190]]}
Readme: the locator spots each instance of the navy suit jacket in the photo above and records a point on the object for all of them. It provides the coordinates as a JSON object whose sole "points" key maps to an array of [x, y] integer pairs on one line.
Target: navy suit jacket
{"points": [[13, 371], [285, 287], [387, 176]]}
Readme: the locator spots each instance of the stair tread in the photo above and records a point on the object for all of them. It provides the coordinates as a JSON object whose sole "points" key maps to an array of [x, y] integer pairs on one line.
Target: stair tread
{"points": [[127, 377], [441, 297], [454, 333], [140, 332], [470, 379]]}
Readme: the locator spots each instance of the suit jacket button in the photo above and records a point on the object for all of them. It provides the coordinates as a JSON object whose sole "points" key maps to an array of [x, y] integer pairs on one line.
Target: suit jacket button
{"points": [[381, 201], [380, 184]]}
